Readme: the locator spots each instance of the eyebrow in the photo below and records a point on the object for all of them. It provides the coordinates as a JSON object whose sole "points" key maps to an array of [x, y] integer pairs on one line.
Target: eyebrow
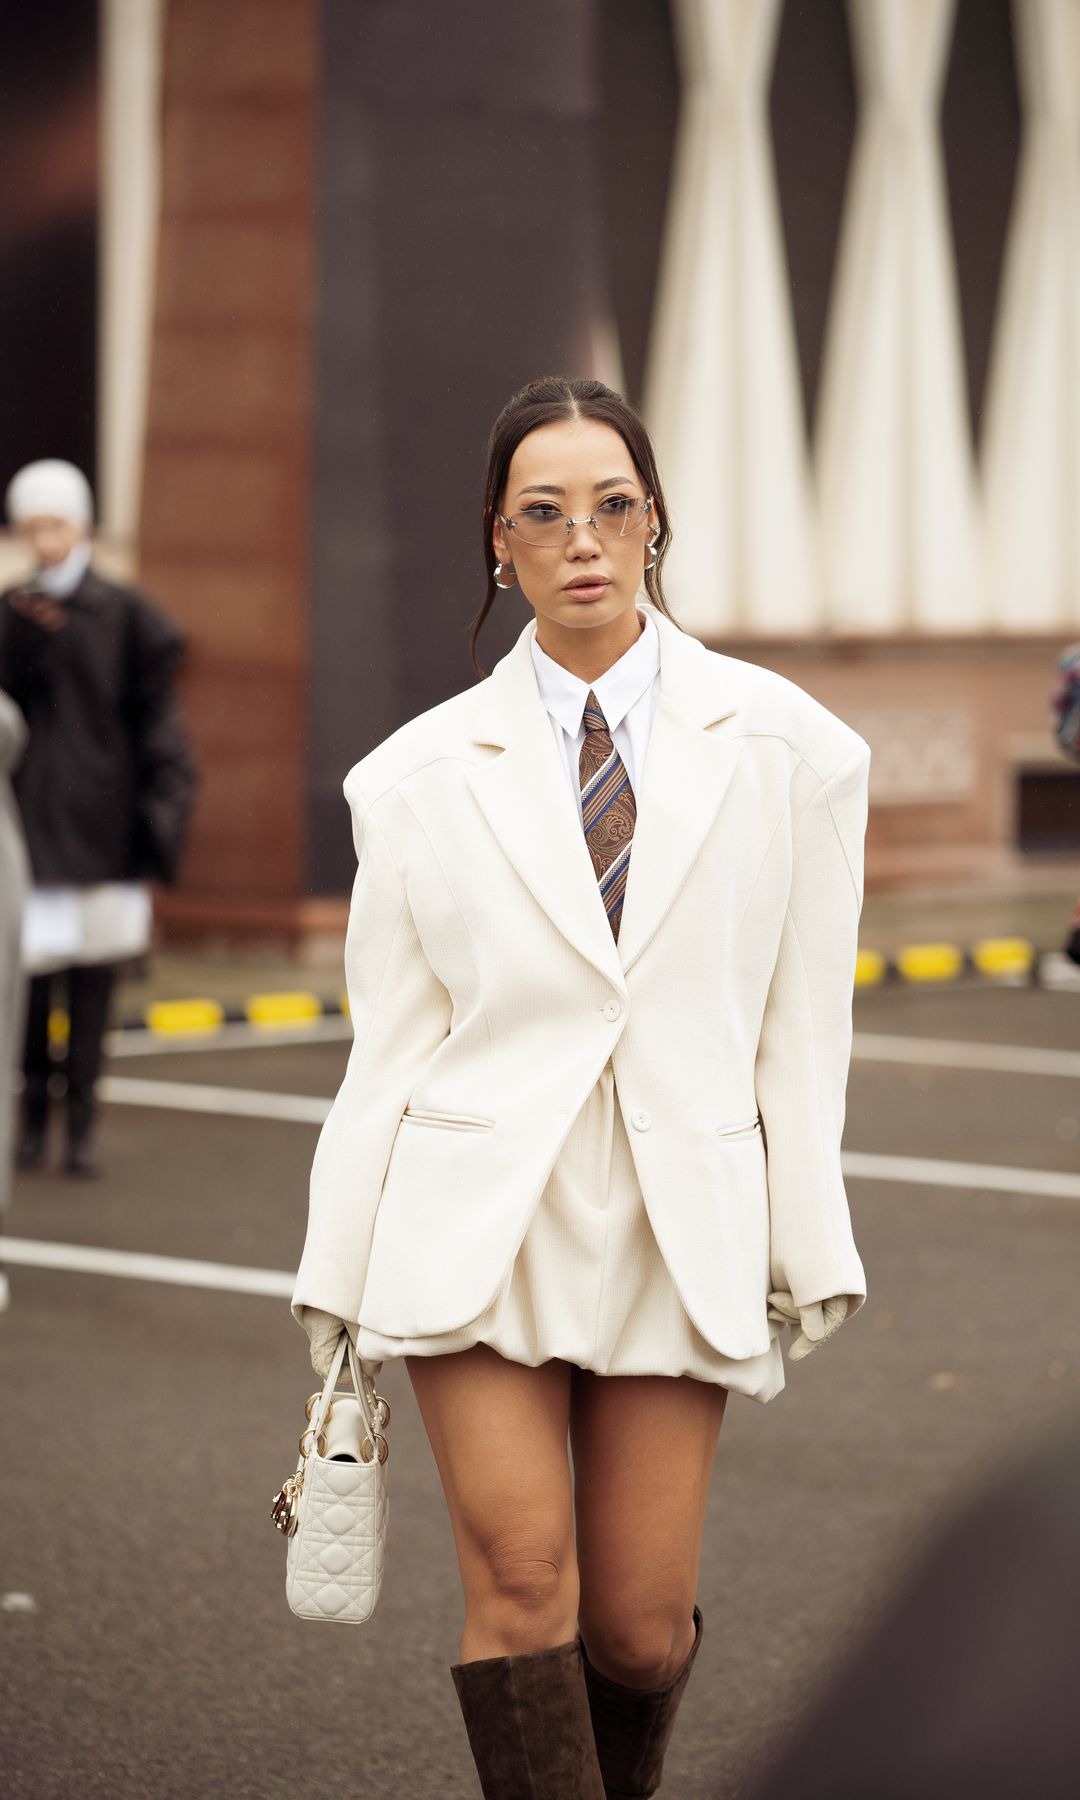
{"points": [[611, 481]]}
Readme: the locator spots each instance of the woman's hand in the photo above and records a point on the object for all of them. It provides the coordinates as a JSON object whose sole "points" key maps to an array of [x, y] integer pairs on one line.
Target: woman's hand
{"points": [[324, 1330], [813, 1325]]}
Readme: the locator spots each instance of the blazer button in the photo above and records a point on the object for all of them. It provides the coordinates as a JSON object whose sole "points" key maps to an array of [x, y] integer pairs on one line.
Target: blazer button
{"points": [[640, 1121], [611, 1009]]}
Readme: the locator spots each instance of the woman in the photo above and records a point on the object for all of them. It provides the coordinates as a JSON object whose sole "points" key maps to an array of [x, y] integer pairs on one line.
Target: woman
{"points": [[580, 1019]]}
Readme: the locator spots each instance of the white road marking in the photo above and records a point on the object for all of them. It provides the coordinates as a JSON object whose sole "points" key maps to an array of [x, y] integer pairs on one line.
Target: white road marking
{"points": [[928, 1171], [18, 1603], [278, 1284], [867, 1046], [952, 1053], [136, 1265], [309, 1109], [236, 1103]]}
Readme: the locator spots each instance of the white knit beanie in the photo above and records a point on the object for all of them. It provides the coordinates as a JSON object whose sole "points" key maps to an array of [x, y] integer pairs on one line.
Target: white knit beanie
{"points": [[50, 490]]}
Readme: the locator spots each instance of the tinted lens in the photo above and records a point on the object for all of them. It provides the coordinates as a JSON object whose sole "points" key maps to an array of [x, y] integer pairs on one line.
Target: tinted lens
{"points": [[619, 514], [540, 524], [543, 523]]}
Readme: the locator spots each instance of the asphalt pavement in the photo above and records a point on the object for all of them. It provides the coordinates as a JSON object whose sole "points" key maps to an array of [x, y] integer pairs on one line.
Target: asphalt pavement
{"points": [[145, 1645]]}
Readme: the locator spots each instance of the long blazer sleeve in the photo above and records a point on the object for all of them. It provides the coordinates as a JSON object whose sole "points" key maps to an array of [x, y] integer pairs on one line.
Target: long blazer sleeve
{"points": [[805, 1042], [400, 1014]]}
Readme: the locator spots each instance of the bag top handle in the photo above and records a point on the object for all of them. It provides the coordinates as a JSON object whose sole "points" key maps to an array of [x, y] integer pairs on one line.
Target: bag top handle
{"points": [[362, 1384]]}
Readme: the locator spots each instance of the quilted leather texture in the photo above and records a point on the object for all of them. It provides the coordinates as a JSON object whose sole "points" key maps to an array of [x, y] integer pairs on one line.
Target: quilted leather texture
{"points": [[337, 1553]]}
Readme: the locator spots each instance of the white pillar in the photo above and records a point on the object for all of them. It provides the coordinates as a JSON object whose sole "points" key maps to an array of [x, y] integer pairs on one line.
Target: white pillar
{"points": [[722, 392], [132, 46], [901, 523], [1031, 445]]}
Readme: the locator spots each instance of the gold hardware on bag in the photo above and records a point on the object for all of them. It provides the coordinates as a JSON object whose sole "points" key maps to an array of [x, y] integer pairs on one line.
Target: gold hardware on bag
{"points": [[286, 1506]]}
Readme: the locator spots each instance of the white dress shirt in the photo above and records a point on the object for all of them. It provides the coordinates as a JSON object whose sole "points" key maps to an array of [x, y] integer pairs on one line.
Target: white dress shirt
{"points": [[627, 695]]}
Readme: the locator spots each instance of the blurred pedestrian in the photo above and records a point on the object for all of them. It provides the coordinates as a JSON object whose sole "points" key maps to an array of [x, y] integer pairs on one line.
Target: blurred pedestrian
{"points": [[964, 1685], [104, 789], [570, 1127], [13, 882], [1065, 717]]}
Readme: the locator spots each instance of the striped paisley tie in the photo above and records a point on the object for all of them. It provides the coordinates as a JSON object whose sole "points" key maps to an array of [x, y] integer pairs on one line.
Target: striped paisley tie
{"points": [[608, 811]]}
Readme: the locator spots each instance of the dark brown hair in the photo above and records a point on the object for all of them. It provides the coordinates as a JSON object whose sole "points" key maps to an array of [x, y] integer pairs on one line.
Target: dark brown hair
{"points": [[544, 402]]}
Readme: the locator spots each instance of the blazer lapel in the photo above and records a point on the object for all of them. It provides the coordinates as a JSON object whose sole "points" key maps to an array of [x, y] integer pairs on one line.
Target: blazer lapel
{"points": [[686, 776], [687, 773], [523, 795], [525, 798]]}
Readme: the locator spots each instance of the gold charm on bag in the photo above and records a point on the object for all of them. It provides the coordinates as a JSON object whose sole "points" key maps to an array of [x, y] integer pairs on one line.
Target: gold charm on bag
{"points": [[286, 1506]]}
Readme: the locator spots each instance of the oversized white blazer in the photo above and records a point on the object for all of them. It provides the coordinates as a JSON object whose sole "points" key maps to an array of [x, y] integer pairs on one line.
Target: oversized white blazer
{"points": [[487, 993]]}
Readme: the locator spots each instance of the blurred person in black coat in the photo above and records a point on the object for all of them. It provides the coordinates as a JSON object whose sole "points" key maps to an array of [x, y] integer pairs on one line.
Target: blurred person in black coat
{"points": [[14, 876], [104, 789], [964, 1686]]}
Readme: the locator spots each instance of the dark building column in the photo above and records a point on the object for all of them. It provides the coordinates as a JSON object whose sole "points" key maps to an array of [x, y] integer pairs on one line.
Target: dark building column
{"points": [[377, 222], [462, 251]]}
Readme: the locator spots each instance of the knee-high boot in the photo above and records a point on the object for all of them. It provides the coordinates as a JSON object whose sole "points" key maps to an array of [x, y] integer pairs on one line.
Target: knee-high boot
{"points": [[633, 1726], [529, 1725]]}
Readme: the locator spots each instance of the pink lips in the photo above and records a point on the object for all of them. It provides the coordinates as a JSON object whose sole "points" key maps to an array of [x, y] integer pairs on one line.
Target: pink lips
{"points": [[586, 588]]}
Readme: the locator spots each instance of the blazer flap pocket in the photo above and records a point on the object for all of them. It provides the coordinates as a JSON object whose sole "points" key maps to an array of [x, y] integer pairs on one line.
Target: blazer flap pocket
{"points": [[748, 1128], [451, 1121]]}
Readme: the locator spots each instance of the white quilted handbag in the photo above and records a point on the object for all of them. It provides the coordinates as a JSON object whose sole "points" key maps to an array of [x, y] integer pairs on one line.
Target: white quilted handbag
{"points": [[334, 1509]]}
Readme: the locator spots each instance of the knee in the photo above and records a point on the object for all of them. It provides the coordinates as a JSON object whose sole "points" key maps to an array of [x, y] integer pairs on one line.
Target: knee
{"points": [[642, 1649], [530, 1589], [528, 1580]]}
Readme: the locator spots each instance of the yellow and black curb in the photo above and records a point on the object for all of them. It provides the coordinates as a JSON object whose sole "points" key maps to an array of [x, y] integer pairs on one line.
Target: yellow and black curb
{"points": [[929, 965], [1010, 961], [201, 1018], [270, 1011]]}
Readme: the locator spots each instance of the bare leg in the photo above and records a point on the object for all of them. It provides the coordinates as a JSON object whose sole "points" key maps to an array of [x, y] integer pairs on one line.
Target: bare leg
{"points": [[639, 1539], [498, 1431]]}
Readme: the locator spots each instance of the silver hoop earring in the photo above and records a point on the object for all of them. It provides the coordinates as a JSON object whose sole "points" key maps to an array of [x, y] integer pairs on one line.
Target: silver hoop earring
{"points": [[651, 547], [498, 572]]}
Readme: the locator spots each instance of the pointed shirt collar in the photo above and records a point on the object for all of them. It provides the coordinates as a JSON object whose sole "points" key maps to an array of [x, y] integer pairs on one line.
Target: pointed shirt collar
{"points": [[617, 689]]}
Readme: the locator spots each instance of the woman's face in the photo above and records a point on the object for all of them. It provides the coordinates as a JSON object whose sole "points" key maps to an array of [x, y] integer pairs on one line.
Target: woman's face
{"points": [[583, 580]]}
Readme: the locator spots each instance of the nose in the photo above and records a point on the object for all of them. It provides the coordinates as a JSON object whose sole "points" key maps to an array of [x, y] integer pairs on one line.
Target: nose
{"points": [[582, 536]]}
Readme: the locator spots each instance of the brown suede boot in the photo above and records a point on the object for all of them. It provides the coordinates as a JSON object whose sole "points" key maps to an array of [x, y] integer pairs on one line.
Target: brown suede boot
{"points": [[529, 1726], [633, 1726]]}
